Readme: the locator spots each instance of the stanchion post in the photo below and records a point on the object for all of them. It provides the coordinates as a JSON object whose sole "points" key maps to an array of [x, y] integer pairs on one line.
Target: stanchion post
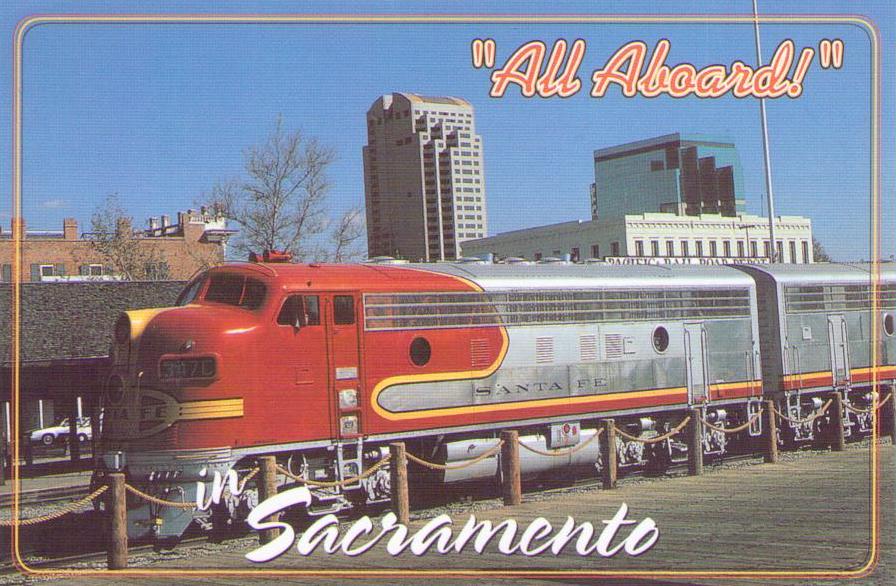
{"points": [[117, 556], [267, 488], [3, 459], [608, 454], [891, 412], [838, 439], [398, 470], [771, 432], [695, 442], [510, 468]]}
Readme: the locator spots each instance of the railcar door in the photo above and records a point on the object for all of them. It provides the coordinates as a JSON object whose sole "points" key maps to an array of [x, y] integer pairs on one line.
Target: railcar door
{"points": [[695, 362], [343, 343], [839, 341]]}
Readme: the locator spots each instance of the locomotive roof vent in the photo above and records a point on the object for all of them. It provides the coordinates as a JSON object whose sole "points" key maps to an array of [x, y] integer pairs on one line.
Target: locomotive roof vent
{"points": [[553, 260], [472, 260], [386, 260]]}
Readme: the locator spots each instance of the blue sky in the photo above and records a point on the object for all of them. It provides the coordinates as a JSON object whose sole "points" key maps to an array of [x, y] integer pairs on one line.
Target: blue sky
{"points": [[158, 113]]}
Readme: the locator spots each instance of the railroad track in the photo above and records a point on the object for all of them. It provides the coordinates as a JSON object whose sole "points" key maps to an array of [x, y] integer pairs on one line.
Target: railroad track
{"points": [[45, 495]]}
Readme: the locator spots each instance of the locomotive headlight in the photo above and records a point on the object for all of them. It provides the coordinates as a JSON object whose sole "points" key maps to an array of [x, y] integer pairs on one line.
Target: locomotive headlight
{"points": [[348, 399], [348, 425]]}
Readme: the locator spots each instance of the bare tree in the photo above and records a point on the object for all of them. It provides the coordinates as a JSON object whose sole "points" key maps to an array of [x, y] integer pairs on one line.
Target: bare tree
{"points": [[346, 237], [819, 254], [123, 252], [280, 203]]}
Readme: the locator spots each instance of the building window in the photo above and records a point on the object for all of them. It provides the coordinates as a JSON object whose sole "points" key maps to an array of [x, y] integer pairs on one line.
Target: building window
{"points": [[670, 248], [726, 247], [40, 271], [614, 249], [685, 248], [91, 270], [639, 248], [793, 251], [713, 248], [754, 249], [6, 273], [740, 249], [574, 254], [699, 245], [655, 247], [767, 247], [805, 251], [779, 250], [595, 251]]}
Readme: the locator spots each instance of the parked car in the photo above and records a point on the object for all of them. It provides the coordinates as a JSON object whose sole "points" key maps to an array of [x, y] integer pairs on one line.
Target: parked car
{"points": [[56, 434]]}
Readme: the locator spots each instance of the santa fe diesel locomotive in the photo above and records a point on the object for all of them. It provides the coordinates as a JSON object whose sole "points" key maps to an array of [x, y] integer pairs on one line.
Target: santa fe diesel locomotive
{"points": [[324, 365]]}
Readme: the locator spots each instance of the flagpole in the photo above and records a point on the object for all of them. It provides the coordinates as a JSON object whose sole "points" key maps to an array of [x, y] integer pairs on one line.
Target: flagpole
{"points": [[773, 249]]}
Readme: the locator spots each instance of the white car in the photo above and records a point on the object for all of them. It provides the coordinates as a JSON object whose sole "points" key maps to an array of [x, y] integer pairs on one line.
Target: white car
{"points": [[59, 433]]}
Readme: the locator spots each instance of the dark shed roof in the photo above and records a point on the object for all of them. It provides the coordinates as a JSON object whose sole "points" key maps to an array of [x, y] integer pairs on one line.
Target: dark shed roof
{"points": [[74, 320]]}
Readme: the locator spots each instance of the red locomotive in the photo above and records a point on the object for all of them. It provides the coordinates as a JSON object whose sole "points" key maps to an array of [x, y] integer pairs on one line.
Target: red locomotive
{"points": [[323, 365]]}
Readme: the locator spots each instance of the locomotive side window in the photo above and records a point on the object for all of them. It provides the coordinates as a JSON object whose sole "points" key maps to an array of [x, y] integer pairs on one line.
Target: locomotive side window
{"points": [[660, 339], [420, 351], [343, 310], [300, 311], [889, 326]]}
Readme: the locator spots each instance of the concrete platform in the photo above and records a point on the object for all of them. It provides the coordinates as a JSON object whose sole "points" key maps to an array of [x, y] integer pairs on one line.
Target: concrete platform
{"points": [[810, 513]]}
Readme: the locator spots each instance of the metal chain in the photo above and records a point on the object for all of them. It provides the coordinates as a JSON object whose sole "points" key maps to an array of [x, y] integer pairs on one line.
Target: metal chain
{"points": [[70, 508], [809, 419], [566, 452], [468, 463], [655, 440], [157, 500], [333, 484], [869, 409], [733, 429]]}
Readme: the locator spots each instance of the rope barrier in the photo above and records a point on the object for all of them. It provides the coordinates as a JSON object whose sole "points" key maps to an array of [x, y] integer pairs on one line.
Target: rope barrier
{"points": [[468, 463], [733, 429], [657, 439], [858, 411], [335, 483], [248, 477], [809, 419], [566, 452], [70, 508], [157, 500]]}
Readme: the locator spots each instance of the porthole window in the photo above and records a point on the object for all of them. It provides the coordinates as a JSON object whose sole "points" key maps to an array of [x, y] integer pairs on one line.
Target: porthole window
{"points": [[889, 326], [420, 351], [660, 339]]}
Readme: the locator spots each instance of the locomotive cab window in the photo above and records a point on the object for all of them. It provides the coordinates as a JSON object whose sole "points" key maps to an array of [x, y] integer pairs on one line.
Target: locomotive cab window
{"points": [[300, 311], [343, 310], [237, 290], [889, 326]]}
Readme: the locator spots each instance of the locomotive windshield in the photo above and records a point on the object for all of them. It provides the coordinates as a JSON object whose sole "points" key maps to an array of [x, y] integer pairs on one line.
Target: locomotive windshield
{"points": [[234, 289]]}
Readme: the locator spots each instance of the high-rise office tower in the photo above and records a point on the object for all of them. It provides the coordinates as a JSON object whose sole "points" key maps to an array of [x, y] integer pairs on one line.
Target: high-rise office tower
{"points": [[423, 177]]}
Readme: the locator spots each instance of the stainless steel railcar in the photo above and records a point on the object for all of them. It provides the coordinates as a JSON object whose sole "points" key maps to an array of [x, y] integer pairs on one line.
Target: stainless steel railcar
{"points": [[816, 329]]}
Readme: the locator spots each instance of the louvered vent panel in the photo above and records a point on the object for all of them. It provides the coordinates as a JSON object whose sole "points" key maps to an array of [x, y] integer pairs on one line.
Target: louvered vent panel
{"points": [[544, 350], [479, 353], [613, 344], [588, 348]]}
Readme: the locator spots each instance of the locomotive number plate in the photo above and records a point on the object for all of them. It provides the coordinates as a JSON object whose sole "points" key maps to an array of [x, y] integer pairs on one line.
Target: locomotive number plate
{"points": [[200, 367], [564, 435]]}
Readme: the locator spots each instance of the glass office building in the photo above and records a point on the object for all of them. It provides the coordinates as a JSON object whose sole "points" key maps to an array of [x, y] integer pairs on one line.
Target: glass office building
{"points": [[684, 175]]}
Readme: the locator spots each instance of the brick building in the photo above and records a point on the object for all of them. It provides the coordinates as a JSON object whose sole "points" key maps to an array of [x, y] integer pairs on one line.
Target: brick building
{"points": [[196, 240]]}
